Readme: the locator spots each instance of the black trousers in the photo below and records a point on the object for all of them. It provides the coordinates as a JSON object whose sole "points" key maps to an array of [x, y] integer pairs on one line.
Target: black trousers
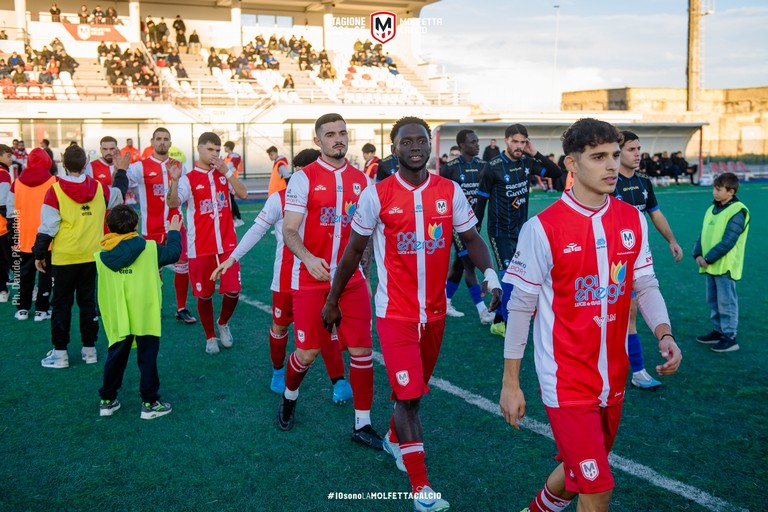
{"points": [[6, 260], [235, 208], [147, 348], [70, 282], [27, 273]]}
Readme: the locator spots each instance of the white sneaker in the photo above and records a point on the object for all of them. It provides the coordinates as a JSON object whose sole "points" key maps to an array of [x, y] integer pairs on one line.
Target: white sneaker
{"points": [[56, 359], [22, 314], [89, 355], [212, 346], [239, 222], [42, 315], [428, 500], [225, 336], [452, 311], [394, 450], [4, 296], [486, 317]]}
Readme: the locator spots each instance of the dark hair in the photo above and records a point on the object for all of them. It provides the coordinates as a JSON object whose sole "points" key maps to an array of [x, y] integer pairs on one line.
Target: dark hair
{"points": [[461, 137], [108, 138], [5, 149], [588, 132], [369, 148], [160, 129], [46, 142], [122, 219], [728, 181], [454, 148], [409, 120], [271, 149], [325, 119], [229, 144], [74, 158], [207, 137], [628, 136], [514, 129], [305, 157]]}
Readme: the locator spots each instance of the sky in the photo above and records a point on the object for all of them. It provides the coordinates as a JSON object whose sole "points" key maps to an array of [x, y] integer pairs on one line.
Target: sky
{"points": [[502, 52]]}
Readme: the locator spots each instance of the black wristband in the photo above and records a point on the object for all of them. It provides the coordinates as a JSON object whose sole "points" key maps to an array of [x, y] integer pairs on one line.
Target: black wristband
{"points": [[668, 334]]}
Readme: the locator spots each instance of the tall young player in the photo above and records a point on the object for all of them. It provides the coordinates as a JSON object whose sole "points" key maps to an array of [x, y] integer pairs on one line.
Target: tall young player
{"points": [[150, 177], [282, 299], [580, 337], [211, 234], [319, 204], [636, 189], [410, 216], [102, 168]]}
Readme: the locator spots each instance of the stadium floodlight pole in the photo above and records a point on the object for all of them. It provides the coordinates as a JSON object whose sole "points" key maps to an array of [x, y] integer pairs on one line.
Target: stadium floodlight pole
{"points": [[554, 63]]}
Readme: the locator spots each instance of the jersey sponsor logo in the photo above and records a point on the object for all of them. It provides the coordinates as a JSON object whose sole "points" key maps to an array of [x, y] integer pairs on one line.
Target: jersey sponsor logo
{"points": [[590, 293], [152, 174], [589, 469], [278, 312], [441, 205], [403, 378], [300, 335], [408, 242], [601, 243], [319, 187], [200, 187], [209, 206], [600, 320], [356, 188], [158, 189], [628, 238], [395, 210], [328, 214], [572, 247]]}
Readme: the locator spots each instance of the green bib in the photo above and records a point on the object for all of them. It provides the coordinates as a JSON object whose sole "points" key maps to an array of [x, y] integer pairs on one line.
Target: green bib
{"points": [[712, 232], [130, 299]]}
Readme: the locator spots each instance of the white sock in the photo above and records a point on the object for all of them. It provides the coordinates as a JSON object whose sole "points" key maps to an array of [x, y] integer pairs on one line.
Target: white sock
{"points": [[481, 307], [60, 352], [291, 395], [362, 418]]}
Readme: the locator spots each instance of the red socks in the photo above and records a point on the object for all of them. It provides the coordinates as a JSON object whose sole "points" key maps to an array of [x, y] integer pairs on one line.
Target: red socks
{"points": [[181, 285], [205, 310], [545, 501], [277, 344], [413, 458], [361, 380], [228, 304], [294, 373], [334, 361]]}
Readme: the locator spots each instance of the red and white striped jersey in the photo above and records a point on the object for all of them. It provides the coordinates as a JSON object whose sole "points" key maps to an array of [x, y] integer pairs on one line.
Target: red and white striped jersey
{"points": [[581, 263], [327, 196], [150, 179], [411, 228], [210, 227], [101, 171], [271, 215]]}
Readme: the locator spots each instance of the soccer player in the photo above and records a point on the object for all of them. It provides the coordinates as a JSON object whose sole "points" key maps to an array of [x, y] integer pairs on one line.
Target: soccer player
{"points": [[102, 168], [409, 217], [282, 300], [466, 170], [281, 172], [319, 204], [371, 160], [636, 189], [505, 186], [6, 240], [577, 276], [211, 235], [150, 178], [236, 162]]}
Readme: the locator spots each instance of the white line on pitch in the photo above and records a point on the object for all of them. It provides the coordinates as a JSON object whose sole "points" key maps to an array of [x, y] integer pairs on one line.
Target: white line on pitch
{"points": [[624, 464]]}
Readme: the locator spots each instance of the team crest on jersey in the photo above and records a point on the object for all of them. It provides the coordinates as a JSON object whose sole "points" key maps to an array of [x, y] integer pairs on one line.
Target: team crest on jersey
{"points": [[402, 378], [628, 238], [356, 188], [589, 469], [300, 335], [278, 312], [441, 205], [506, 178], [463, 177], [222, 180]]}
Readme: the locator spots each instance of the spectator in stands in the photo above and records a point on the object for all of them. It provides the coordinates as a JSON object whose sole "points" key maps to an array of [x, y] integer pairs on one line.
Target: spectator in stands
{"points": [[165, 45], [162, 28], [271, 62], [181, 73], [83, 14], [647, 165], [52, 68], [181, 40], [668, 168], [119, 83], [56, 46], [682, 164], [98, 16], [153, 89], [18, 77], [5, 69], [178, 24], [194, 43], [151, 30], [15, 60], [55, 13], [288, 82], [110, 17], [67, 63], [491, 151], [44, 77], [358, 46], [232, 62], [282, 44], [173, 58], [213, 60], [3, 35], [102, 49]]}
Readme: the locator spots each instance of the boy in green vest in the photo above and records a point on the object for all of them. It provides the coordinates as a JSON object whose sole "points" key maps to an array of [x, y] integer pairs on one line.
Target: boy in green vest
{"points": [[719, 252], [130, 300]]}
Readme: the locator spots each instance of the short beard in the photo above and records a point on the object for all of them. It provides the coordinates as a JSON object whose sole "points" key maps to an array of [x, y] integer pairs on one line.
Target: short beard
{"points": [[339, 155], [162, 152]]}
